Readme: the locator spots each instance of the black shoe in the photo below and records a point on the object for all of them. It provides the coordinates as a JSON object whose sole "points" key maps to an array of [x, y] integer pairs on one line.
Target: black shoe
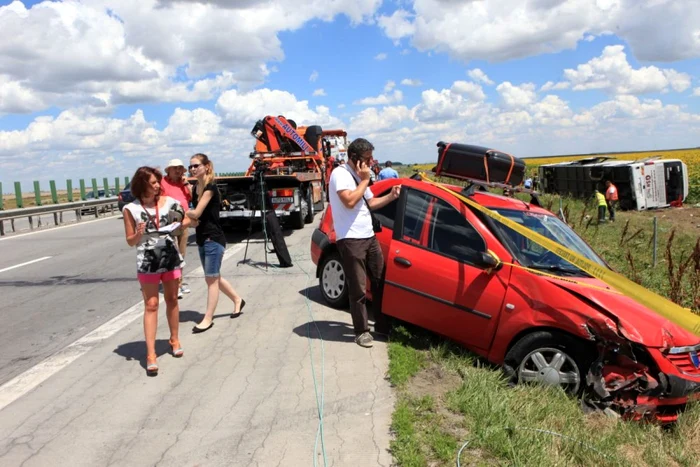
{"points": [[196, 330], [236, 315]]}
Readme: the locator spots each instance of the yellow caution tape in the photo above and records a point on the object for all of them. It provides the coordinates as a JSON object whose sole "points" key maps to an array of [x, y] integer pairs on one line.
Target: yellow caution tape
{"points": [[661, 305], [551, 276]]}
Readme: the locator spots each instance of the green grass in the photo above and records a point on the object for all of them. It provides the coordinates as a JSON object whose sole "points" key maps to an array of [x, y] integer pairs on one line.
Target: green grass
{"points": [[499, 422], [10, 202]]}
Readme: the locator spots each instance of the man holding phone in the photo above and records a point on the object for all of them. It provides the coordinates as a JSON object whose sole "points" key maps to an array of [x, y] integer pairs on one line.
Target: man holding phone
{"points": [[351, 200]]}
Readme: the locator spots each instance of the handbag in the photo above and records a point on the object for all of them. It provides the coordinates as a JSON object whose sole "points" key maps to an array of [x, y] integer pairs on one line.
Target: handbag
{"points": [[163, 255]]}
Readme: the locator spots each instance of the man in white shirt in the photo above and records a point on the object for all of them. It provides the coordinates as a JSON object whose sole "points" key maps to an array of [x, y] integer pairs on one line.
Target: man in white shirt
{"points": [[355, 238]]}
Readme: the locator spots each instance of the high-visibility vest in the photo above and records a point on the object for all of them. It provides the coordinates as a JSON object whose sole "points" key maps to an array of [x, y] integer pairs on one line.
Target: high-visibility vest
{"points": [[601, 199]]}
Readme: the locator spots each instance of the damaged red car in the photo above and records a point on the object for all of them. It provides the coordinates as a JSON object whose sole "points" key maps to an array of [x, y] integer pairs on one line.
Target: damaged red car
{"points": [[592, 342]]}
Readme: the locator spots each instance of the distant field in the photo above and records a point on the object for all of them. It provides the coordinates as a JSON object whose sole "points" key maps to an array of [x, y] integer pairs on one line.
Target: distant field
{"points": [[691, 156]]}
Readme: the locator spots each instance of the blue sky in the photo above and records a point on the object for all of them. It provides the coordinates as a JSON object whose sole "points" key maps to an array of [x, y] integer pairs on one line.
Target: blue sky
{"points": [[98, 88]]}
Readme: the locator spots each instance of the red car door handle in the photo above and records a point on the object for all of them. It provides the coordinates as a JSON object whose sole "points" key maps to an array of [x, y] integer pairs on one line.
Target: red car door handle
{"points": [[402, 261]]}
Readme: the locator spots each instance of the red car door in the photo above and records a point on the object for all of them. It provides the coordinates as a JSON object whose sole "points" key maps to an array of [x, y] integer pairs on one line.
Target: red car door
{"points": [[436, 275]]}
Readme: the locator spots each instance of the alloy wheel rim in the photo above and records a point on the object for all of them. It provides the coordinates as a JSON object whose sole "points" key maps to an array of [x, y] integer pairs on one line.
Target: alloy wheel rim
{"points": [[551, 367], [333, 279]]}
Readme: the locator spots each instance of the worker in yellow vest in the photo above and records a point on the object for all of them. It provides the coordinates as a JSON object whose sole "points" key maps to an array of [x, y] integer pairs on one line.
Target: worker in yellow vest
{"points": [[602, 205]]}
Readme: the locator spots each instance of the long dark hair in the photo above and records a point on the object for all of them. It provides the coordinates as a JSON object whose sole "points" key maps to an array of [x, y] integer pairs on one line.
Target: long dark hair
{"points": [[141, 181]]}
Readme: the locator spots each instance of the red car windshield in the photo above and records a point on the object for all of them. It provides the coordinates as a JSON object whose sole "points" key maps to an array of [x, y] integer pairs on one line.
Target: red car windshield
{"points": [[533, 255]]}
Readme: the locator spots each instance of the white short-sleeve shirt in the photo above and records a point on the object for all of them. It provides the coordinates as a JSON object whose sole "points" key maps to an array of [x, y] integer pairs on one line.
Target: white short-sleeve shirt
{"points": [[349, 223]]}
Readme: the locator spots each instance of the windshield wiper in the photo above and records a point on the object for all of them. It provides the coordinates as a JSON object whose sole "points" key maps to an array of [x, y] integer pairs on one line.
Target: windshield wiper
{"points": [[559, 269]]}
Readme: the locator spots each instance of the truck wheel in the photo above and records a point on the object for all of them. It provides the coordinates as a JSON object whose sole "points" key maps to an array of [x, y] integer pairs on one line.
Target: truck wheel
{"points": [[332, 281], [309, 217], [551, 358]]}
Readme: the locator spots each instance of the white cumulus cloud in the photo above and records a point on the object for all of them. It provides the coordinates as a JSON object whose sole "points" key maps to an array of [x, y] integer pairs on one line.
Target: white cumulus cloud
{"points": [[612, 73], [498, 30]]}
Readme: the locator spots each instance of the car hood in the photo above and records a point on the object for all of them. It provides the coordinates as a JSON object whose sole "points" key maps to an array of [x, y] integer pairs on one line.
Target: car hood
{"points": [[635, 321]]}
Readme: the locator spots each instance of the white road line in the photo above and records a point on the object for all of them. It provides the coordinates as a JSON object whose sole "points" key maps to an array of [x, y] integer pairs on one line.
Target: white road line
{"points": [[25, 264], [52, 229], [25, 382]]}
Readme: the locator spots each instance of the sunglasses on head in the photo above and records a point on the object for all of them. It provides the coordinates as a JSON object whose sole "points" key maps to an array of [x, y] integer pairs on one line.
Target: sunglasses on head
{"points": [[194, 166]]}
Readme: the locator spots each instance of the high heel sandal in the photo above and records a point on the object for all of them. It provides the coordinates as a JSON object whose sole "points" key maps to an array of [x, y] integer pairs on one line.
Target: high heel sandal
{"points": [[177, 349], [152, 365], [240, 312]]}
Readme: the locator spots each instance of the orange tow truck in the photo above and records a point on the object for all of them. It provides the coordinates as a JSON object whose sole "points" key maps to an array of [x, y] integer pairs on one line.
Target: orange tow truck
{"points": [[288, 173]]}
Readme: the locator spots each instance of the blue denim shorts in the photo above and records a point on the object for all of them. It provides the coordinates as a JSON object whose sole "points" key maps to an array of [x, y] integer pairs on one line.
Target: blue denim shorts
{"points": [[211, 254]]}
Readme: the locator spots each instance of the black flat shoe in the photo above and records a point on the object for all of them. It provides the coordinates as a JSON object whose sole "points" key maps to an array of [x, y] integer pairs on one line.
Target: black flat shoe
{"points": [[196, 330], [236, 315]]}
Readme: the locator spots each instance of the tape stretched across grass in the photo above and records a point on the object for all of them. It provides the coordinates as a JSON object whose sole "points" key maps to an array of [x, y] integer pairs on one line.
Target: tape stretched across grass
{"points": [[663, 306]]}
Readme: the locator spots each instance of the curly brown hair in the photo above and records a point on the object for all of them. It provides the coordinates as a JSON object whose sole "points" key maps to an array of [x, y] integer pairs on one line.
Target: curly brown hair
{"points": [[141, 181]]}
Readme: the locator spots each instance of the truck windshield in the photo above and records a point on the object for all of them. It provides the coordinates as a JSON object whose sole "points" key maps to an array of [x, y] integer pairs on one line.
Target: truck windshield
{"points": [[532, 255]]}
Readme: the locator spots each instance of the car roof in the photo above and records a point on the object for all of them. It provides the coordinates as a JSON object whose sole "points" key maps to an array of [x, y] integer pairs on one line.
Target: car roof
{"points": [[484, 198]]}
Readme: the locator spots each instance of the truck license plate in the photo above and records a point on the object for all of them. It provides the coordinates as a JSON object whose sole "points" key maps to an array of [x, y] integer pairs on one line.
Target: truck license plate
{"points": [[283, 200]]}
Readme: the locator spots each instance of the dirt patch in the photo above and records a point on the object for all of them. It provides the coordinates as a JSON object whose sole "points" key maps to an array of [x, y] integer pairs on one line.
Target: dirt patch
{"points": [[433, 381], [599, 421], [685, 219]]}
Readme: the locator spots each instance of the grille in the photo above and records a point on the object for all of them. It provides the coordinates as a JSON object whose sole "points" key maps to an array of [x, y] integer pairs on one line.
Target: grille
{"points": [[684, 363]]}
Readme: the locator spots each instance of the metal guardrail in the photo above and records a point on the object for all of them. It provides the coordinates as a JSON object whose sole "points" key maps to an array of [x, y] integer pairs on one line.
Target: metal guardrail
{"points": [[57, 210]]}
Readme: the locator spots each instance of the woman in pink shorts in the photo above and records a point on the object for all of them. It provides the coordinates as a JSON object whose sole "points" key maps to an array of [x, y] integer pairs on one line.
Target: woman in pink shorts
{"points": [[148, 223]]}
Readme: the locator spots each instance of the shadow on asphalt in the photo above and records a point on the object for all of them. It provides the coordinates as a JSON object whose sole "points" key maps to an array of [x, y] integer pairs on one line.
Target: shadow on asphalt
{"points": [[271, 263], [137, 350], [329, 331], [314, 294], [334, 331], [191, 316]]}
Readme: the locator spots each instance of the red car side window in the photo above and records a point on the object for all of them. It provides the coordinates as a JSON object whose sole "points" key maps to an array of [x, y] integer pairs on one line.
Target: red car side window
{"points": [[450, 234], [415, 214], [386, 214]]}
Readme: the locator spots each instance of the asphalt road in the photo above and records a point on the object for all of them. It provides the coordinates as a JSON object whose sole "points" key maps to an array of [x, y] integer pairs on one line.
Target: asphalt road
{"points": [[85, 276], [246, 393]]}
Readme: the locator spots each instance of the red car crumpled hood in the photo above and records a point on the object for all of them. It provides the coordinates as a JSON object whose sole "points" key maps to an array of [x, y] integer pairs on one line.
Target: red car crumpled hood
{"points": [[637, 322]]}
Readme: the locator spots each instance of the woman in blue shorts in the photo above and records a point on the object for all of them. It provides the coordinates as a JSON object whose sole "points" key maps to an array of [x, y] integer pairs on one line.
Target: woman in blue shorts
{"points": [[210, 239]]}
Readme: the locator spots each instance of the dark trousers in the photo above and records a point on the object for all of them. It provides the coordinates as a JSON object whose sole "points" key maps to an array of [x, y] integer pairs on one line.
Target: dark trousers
{"points": [[601, 213], [611, 209], [363, 257]]}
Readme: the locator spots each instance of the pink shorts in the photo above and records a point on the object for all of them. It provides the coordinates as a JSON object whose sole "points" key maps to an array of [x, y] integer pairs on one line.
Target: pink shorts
{"points": [[148, 278]]}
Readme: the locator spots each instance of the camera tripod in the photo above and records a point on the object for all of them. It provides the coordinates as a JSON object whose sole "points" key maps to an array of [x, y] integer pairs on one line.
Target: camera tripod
{"points": [[259, 189]]}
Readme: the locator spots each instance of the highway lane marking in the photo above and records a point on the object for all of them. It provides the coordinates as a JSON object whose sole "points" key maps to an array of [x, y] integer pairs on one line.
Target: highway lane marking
{"points": [[25, 264], [53, 229], [33, 377]]}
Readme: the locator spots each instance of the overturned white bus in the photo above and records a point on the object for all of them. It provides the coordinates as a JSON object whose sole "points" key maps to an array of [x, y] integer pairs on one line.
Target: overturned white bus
{"points": [[642, 184]]}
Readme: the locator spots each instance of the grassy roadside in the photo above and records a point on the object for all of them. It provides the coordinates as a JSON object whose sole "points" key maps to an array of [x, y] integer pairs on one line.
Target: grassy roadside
{"points": [[447, 396], [10, 202]]}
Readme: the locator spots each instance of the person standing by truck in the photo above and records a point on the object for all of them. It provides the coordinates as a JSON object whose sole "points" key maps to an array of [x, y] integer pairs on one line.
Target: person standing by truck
{"points": [[611, 198], [175, 185]]}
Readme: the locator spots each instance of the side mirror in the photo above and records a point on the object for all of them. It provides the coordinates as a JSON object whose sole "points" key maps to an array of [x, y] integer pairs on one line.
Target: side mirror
{"points": [[489, 260]]}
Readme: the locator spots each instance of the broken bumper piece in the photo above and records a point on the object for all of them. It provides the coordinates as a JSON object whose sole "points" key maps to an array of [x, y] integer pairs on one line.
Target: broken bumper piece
{"points": [[633, 387]]}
